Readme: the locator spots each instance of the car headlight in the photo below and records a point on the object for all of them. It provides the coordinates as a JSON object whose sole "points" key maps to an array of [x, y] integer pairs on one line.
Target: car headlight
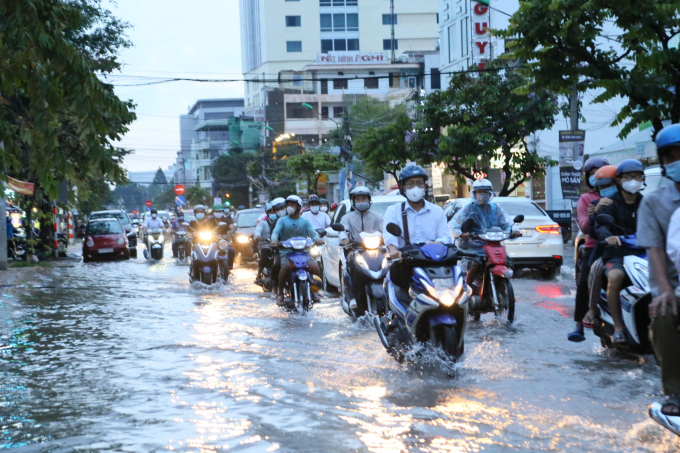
{"points": [[205, 236], [372, 242], [242, 239], [121, 241], [444, 290], [89, 242]]}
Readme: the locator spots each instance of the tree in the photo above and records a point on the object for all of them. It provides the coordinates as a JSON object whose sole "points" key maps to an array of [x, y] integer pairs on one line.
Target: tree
{"points": [[134, 196], [371, 113], [310, 166], [230, 174], [487, 116], [198, 195], [94, 194], [565, 46]]}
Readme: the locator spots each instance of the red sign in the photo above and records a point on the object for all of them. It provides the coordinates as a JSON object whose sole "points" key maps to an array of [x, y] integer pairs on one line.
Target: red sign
{"points": [[22, 187], [179, 189], [148, 203], [134, 211]]}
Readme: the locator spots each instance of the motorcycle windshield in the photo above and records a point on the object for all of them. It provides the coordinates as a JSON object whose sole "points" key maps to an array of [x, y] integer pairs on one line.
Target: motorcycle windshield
{"points": [[435, 252]]}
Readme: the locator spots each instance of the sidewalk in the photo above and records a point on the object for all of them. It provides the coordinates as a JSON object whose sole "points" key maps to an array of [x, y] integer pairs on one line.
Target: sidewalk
{"points": [[23, 273]]}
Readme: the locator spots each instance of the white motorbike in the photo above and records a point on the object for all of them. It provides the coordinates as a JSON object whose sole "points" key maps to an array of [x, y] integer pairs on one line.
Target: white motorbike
{"points": [[155, 241]]}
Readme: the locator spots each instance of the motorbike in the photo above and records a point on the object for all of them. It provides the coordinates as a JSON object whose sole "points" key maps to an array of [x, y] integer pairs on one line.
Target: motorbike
{"points": [[315, 251], [155, 240], [209, 257], [182, 242], [437, 312], [298, 290], [634, 299], [492, 290], [370, 258], [267, 283]]}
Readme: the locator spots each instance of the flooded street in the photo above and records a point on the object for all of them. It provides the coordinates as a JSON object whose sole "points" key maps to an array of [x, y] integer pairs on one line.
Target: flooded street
{"points": [[129, 357]]}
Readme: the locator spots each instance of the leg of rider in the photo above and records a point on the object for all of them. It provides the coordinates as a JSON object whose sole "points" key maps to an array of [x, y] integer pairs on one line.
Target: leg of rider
{"points": [[231, 251], [314, 267], [347, 280], [284, 275], [276, 270], [615, 279], [175, 248], [666, 340], [582, 295], [474, 268], [401, 275]]}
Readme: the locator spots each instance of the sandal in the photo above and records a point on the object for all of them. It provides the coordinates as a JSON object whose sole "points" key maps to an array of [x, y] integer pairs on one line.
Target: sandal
{"points": [[674, 403], [576, 336], [619, 338], [588, 322], [280, 301]]}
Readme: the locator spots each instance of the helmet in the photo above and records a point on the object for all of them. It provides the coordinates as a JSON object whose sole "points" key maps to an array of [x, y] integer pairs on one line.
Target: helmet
{"points": [[199, 207], [218, 207], [360, 190], [334, 206], [154, 211], [668, 136], [313, 197], [268, 207], [296, 199], [278, 202], [323, 201], [593, 163], [629, 166], [605, 175], [481, 184], [411, 171]]}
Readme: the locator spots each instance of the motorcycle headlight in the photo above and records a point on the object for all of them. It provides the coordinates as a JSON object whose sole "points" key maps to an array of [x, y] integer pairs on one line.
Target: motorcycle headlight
{"points": [[223, 244], [315, 252], [371, 242], [299, 244], [242, 239], [205, 236], [494, 236], [444, 290]]}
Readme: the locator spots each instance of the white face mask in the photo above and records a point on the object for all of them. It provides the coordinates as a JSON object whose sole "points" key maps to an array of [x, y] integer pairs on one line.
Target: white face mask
{"points": [[324, 208], [153, 216], [281, 213], [290, 210], [632, 186], [415, 194], [218, 215], [314, 209]]}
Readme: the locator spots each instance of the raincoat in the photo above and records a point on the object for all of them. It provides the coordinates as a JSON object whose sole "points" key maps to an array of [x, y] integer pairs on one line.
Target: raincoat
{"points": [[485, 216]]}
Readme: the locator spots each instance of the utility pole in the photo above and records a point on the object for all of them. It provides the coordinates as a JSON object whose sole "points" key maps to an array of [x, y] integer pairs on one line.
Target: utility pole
{"points": [[3, 225], [392, 42], [573, 108]]}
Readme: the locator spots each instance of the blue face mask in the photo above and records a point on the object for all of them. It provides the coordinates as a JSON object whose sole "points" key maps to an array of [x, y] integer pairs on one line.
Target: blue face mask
{"points": [[608, 192], [272, 216], [673, 171], [591, 180]]}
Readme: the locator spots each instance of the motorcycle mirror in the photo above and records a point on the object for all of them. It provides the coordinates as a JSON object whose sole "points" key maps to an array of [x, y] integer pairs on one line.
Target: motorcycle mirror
{"points": [[467, 226], [519, 219], [185, 223], [393, 229], [322, 233], [222, 224], [605, 220], [338, 227]]}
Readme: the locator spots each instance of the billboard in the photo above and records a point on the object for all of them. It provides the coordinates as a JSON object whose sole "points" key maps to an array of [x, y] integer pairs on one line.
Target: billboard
{"points": [[572, 144]]}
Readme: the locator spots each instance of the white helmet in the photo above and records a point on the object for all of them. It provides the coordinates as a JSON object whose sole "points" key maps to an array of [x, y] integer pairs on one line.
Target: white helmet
{"points": [[481, 184], [278, 202], [296, 199], [360, 190]]}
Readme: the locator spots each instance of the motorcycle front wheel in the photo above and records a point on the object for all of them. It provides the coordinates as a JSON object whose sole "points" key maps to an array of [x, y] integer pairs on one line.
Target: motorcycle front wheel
{"points": [[206, 279], [506, 299], [449, 342], [302, 304], [224, 271]]}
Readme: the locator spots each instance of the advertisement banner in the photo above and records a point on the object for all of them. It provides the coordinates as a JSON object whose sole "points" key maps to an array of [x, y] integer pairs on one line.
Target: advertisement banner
{"points": [[571, 163], [21, 187]]}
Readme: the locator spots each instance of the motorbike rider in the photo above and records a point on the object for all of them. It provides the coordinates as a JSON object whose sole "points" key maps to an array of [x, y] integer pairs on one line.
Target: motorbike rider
{"points": [[262, 237], [584, 210], [359, 220], [279, 208], [174, 228], [323, 205], [655, 213], [212, 224], [289, 227], [318, 219], [420, 222], [486, 214], [625, 202]]}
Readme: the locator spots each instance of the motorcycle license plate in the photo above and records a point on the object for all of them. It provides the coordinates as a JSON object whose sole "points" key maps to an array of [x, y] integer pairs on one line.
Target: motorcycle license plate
{"points": [[105, 250], [527, 232]]}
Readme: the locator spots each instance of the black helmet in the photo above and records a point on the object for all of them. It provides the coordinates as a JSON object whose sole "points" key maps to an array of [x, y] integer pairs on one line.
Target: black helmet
{"points": [[154, 211], [323, 201], [313, 197]]}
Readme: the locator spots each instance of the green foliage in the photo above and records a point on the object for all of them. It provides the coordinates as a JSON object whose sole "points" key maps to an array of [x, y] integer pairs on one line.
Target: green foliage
{"points": [[231, 175], [562, 44], [311, 165], [134, 196], [94, 194], [371, 113], [198, 195], [487, 114]]}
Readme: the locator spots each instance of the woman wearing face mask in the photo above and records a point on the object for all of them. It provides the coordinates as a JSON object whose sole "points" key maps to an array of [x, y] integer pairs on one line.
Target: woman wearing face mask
{"points": [[584, 210], [318, 219], [324, 205]]}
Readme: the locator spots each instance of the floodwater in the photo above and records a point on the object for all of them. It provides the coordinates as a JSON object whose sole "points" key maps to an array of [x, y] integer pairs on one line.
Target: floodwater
{"points": [[129, 357]]}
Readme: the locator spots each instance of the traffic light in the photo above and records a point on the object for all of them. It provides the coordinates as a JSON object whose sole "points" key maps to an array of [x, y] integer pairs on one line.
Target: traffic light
{"points": [[226, 195], [226, 203]]}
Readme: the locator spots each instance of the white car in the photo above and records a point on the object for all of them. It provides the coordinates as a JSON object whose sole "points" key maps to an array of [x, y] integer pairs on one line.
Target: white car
{"points": [[540, 246], [332, 254]]}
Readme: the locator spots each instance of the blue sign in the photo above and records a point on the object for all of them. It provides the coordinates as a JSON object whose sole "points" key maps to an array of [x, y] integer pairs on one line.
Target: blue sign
{"points": [[148, 209], [180, 200]]}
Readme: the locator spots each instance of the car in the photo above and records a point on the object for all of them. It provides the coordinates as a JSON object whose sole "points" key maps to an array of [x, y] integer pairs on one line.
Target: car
{"points": [[246, 220], [541, 246], [105, 239], [332, 255], [125, 221]]}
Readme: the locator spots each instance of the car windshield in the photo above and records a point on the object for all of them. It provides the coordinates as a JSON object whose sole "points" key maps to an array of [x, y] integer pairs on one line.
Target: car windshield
{"points": [[247, 219], [164, 215], [380, 208], [514, 208], [107, 215], [102, 228], [654, 182]]}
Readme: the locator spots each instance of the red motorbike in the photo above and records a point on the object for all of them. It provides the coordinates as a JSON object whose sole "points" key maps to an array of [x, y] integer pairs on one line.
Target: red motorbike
{"points": [[491, 290]]}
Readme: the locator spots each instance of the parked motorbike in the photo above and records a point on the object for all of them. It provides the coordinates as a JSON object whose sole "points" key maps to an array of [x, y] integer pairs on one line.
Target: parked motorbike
{"points": [[298, 290], [209, 257], [155, 240], [634, 299], [492, 289], [370, 259], [437, 314]]}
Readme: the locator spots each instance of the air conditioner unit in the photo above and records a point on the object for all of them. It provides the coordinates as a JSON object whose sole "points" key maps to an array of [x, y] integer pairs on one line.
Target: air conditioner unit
{"points": [[403, 58]]}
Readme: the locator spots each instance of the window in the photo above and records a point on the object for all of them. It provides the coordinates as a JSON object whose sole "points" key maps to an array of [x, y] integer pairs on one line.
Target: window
{"points": [[103, 228], [338, 2], [297, 80], [387, 44], [339, 84], [340, 44], [324, 111], [464, 26], [326, 45], [387, 21], [294, 46], [295, 110], [452, 42], [351, 2], [324, 86], [293, 21], [324, 2], [353, 22], [352, 44], [339, 112], [371, 83], [394, 80], [435, 79], [338, 22], [437, 17], [326, 22]]}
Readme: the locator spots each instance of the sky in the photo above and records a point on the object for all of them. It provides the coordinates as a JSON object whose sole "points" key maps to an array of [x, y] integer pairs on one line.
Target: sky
{"points": [[175, 38]]}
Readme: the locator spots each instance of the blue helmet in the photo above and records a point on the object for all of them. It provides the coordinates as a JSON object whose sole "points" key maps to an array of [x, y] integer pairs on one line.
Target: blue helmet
{"points": [[593, 163], [411, 171], [668, 136], [629, 166]]}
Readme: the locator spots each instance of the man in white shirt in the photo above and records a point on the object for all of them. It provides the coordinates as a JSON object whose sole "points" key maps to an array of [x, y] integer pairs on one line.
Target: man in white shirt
{"points": [[318, 219], [425, 222], [152, 221]]}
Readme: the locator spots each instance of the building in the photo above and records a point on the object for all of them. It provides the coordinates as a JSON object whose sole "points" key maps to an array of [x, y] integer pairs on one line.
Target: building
{"points": [[205, 133]]}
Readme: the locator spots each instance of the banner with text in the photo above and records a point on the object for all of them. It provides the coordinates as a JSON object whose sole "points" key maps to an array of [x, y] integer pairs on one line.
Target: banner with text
{"points": [[571, 162]]}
